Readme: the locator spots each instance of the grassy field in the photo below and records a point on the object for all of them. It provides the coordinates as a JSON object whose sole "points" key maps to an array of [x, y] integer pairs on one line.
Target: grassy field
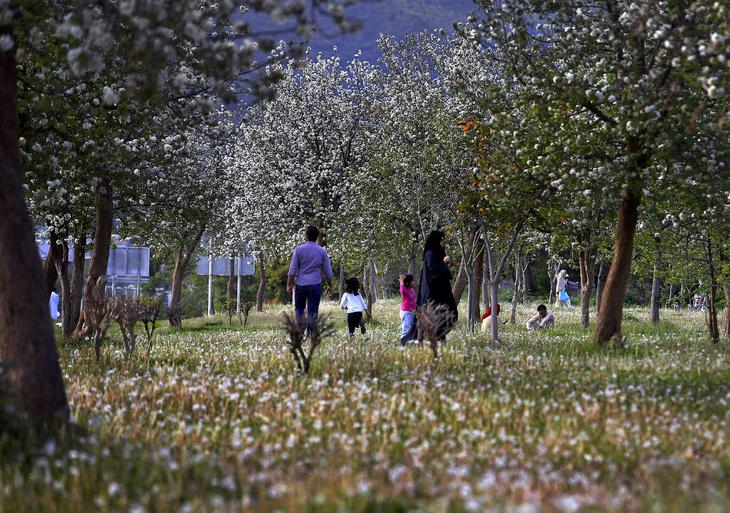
{"points": [[217, 420]]}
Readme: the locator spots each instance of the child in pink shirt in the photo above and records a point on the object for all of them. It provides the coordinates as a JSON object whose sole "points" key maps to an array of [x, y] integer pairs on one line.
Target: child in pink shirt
{"points": [[408, 307]]}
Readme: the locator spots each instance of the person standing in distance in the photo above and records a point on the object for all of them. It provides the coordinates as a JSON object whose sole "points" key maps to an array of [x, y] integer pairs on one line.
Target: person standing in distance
{"points": [[308, 262], [53, 304]]}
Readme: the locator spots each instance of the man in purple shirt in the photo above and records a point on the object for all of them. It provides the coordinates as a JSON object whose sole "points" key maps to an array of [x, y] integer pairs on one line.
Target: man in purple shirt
{"points": [[308, 263]]}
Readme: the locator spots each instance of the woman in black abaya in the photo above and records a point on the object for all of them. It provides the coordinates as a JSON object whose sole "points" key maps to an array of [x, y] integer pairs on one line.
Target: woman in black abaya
{"points": [[435, 283]]}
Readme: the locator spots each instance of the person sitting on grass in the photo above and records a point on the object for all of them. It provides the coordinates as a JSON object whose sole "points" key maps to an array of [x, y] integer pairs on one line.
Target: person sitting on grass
{"points": [[487, 318], [542, 320], [353, 302]]}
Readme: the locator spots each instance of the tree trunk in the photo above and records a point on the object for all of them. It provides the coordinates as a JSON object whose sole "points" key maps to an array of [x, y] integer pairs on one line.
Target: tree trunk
{"points": [[600, 280], [470, 293], [261, 292], [26, 338], [551, 275], [495, 272], [231, 286], [77, 279], [495, 313], [100, 257], [176, 286], [412, 264], [608, 324], [725, 283], [341, 284], [587, 265], [49, 271], [372, 288], [474, 272], [726, 322], [656, 285], [524, 272], [366, 287], [485, 279], [712, 323], [478, 275], [184, 253], [460, 282], [59, 248], [516, 290]]}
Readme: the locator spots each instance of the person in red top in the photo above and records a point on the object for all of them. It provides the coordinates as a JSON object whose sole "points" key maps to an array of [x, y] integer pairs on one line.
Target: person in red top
{"points": [[487, 318]]}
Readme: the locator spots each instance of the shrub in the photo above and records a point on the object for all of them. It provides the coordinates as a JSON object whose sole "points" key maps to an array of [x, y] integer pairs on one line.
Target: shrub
{"points": [[149, 314], [245, 311], [296, 329], [434, 322]]}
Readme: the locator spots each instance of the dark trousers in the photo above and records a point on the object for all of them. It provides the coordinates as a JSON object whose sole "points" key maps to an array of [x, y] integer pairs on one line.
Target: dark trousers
{"points": [[354, 321], [309, 296]]}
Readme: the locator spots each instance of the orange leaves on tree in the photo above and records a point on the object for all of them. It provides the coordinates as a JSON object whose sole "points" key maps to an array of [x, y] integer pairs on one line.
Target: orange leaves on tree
{"points": [[468, 124]]}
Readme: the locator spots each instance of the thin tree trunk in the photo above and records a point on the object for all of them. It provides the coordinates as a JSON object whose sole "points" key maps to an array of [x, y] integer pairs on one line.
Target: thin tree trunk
{"points": [[59, 248], [341, 284], [587, 265], [184, 253], [725, 281], [372, 288], [516, 290], [470, 291], [656, 285], [478, 275], [231, 286], [100, 257], [524, 272], [712, 323], [27, 346], [77, 279], [495, 314], [726, 322], [681, 295], [551, 275], [366, 287], [261, 292], [608, 324], [412, 264], [600, 280], [473, 270], [460, 282], [176, 285], [486, 290], [464, 276], [49, 271], [495, 272]]}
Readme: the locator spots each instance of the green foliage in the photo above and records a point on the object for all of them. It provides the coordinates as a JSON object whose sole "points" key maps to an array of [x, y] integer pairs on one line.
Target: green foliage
{"points": [[276, 278]]}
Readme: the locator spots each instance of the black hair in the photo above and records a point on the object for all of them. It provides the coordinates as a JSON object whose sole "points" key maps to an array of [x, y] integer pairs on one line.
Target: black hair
{"points": [[433, 243], [312, 233], [407, 280], [540, 308], [352, 286]]}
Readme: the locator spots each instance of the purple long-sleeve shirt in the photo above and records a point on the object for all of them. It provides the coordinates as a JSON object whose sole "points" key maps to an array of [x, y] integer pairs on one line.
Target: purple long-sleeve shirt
{"points": [[308, 262]]}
